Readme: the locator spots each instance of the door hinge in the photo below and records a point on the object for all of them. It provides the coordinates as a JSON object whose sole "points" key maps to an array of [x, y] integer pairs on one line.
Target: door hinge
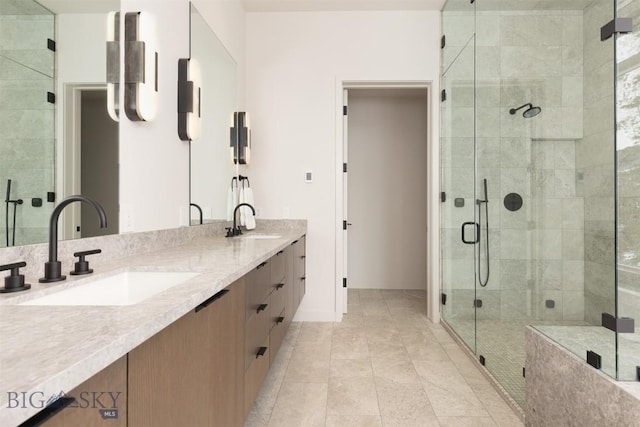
{"points": [[344, 167], [51, 196], [483, 361], [443, 41], [51, 97], [443, 298], [344, 225], [443, 95], [344, 282], [618, 324], [51, 45], [443, 197], [616, 26], [524, 373], [594, 359], [344, 110]]}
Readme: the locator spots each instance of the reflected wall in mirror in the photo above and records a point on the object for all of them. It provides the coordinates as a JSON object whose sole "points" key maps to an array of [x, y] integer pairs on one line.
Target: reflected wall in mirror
{"points": [[211, 167], [55, 48]]}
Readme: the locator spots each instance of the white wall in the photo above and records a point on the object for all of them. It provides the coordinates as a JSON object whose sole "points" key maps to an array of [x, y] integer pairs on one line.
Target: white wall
{"points": [[154, 163], [295, 61]]}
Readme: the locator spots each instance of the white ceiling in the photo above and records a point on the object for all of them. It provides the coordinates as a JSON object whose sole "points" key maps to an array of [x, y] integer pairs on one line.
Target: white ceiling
{"points": [[339, 5]]}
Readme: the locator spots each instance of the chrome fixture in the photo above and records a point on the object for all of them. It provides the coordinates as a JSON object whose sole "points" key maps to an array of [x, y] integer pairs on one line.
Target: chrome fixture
{"points": [[53, 268], [529, 112], [235, 230]]}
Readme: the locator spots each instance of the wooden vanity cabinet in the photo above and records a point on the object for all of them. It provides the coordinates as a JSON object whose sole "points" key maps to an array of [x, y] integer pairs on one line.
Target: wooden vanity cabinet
{"points": [[99, 401], [191, 373], [297, 269], [257, 328], [207, 367]]}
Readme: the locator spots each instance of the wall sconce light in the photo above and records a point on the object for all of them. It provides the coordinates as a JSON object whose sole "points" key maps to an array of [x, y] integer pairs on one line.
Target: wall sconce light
{"points": [[240, 139], [189, 99], [140, 67], [113, 65]]}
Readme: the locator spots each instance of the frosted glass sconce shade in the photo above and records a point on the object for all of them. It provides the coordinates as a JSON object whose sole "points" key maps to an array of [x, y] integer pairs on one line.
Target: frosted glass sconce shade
{"points": [[189, 98], [113, 65]]}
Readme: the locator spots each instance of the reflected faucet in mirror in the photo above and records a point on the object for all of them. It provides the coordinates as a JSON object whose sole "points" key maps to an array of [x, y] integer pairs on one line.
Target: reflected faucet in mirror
{"points": [[53, 268], [235, 230], [195, 205]]}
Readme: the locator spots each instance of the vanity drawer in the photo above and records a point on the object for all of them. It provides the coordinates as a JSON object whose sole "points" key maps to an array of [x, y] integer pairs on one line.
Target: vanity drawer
{"points": [[256, 330], [277, 334], [258, 287], [278, 298], [255, 375], [277, 268]]}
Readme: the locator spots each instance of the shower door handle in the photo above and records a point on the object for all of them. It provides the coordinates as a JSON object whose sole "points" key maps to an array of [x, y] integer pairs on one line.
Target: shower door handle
{"points": [[476, 236]]}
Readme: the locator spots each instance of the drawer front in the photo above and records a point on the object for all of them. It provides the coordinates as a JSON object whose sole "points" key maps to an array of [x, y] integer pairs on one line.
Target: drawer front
{"points": [[278, 298], [258, 287], [255, 375], [277, 334], [256, 330], [277, 268]]}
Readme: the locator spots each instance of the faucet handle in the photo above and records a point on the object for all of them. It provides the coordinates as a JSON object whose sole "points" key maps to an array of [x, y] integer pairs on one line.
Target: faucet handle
{"points": [[14, 282], [82, 266]]}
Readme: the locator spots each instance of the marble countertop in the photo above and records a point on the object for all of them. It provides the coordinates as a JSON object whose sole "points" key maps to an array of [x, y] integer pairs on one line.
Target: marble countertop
{"points": [[49, 349]]}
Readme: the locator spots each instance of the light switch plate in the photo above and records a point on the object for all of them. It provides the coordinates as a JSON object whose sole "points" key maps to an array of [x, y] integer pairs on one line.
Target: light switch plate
{"points": [[308, 176]]}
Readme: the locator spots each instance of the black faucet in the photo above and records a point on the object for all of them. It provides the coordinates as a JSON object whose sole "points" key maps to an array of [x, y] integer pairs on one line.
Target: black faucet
{"points": [[195, 205], [53, 268], [235, 230]]}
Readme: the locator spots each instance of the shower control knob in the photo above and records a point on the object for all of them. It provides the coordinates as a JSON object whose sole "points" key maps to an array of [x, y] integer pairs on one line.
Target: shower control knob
{"points": [[14, 282]]}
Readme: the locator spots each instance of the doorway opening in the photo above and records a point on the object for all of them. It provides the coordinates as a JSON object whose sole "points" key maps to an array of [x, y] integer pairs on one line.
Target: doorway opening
{"points": [[90, 161], [385, 188]]}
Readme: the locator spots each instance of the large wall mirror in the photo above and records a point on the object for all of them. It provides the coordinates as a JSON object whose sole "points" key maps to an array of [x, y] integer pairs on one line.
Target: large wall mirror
{"points": [[57, 138], [211, 166]]}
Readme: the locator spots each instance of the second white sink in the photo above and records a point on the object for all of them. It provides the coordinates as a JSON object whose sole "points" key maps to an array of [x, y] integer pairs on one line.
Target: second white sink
{"points": [[128, 288], [261, 236]]}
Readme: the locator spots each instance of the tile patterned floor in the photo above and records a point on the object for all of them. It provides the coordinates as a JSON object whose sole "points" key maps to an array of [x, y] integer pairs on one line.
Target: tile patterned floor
{"points": [[385, 364]]}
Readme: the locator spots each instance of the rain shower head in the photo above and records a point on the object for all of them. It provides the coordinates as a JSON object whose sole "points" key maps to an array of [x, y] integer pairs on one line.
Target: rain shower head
{"points": [[531, 111]]}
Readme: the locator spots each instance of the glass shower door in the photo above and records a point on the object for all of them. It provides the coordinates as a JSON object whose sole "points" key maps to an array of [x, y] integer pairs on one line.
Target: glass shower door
{"points": [[457, 207]]}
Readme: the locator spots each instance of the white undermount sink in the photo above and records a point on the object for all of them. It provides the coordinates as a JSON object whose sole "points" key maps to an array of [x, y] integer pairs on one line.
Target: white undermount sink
{"points": [[261, 236], [127, 288]]}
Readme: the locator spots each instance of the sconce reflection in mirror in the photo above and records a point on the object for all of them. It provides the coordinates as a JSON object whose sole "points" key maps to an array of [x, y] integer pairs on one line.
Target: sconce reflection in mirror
{"points": [[189, 98], [140, 67], [113, 65], [240, 139]]}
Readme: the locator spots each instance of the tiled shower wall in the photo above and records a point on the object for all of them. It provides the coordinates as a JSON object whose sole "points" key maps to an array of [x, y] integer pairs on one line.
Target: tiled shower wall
{"points": [[26, 119], [537, 252]]}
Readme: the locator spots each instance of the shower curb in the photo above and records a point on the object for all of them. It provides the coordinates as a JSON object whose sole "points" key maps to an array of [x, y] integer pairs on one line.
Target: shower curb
{"points": [[496, 385]]}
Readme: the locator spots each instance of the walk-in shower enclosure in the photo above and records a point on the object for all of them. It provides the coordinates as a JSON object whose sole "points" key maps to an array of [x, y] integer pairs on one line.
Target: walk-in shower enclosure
{"points": [[553, 238], [27, 112]]}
